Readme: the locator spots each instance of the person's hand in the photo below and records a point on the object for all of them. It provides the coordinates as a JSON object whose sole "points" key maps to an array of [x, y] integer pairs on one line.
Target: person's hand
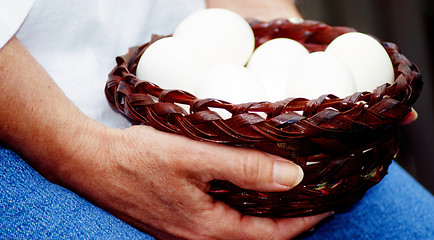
{"points": [[409, 118], [158, 182]]}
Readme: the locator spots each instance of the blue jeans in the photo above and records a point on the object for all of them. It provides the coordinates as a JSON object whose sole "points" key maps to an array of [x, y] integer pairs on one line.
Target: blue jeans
{"points": [[33, 208]]}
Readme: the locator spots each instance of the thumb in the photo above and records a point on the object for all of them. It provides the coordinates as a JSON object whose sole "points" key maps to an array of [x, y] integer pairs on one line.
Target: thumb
{"points": [[254, 170]]}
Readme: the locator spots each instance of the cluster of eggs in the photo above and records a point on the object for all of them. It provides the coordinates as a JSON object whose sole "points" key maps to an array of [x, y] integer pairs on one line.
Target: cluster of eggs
{"points": [[211, 55]]}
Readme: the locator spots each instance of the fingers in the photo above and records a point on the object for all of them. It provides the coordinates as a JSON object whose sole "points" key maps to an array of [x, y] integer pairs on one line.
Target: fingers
{"points": [[246, 168], [251, 169], [292, 227], [249, 227], [409, 118]]}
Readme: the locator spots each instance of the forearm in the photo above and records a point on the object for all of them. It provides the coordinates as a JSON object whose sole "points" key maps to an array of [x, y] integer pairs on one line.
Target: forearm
{"points": [[259, 9], [37, 119]]}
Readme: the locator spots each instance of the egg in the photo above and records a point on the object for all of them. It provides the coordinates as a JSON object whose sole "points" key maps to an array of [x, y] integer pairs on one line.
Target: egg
{"points": [[232, 83], [366, 57], [274, 62], [219, 36], [171, 64], [321, 73]]}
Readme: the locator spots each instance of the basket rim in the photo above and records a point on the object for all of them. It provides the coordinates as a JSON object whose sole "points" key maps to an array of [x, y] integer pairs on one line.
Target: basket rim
{"points": [[384, 106]]}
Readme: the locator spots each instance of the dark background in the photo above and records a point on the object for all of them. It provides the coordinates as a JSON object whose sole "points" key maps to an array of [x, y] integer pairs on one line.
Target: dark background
{"points": [[410, 24]]}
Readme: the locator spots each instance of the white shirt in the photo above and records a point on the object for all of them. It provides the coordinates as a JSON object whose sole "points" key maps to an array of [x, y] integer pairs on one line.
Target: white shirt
{"points": [[12, 15], [77, 41]]}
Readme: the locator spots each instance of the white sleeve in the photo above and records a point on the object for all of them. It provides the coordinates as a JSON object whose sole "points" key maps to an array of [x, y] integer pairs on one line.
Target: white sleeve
{"points": [[12, 15]]}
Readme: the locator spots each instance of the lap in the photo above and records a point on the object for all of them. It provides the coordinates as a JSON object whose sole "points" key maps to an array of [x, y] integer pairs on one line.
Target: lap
{"points": [[32, 207]]}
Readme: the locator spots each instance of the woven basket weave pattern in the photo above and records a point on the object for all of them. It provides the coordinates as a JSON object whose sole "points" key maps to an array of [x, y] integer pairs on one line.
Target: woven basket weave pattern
{"points": [[343, 145]]}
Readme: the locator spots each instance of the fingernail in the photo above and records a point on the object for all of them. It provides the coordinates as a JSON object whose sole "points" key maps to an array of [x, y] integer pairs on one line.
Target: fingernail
{"points": [[410, 117], [329, 214], [287, 174]]}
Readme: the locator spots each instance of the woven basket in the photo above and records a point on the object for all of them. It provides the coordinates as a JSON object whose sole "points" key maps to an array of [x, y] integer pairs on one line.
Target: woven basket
{"points": [[344, 146]]}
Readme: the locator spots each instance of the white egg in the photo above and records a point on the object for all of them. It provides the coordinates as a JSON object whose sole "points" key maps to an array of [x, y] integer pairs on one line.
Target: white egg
{"points": [[322, 73], [219, 35], [231, 83], [274, 62], [366, 57], [171, 64]]}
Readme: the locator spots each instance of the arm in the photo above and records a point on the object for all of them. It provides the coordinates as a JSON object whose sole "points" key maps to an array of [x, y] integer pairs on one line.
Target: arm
{"points": [[37, 119], [153, 180]]}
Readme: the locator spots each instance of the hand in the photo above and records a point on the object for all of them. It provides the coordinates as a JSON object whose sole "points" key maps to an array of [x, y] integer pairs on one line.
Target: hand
{"points": [[158, 182], [409, 118]]}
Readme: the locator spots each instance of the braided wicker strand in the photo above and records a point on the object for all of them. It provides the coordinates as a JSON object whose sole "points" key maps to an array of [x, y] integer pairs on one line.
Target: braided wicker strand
{"points": [[343, 145]]}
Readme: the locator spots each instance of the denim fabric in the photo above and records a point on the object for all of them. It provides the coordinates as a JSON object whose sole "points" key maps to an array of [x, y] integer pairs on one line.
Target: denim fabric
{"points": [[396, 208], [33, 208]]}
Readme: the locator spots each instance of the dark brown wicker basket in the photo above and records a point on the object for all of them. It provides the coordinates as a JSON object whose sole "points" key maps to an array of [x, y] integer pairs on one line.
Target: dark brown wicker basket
{"points": [[344, 145]]}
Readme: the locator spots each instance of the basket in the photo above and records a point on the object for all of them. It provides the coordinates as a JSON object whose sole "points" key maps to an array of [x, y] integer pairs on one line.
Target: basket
{"points": [[344, 145]]}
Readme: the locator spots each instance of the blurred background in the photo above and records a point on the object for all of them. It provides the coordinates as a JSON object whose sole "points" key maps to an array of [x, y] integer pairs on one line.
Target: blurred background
{"points": [[410, 24]]}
